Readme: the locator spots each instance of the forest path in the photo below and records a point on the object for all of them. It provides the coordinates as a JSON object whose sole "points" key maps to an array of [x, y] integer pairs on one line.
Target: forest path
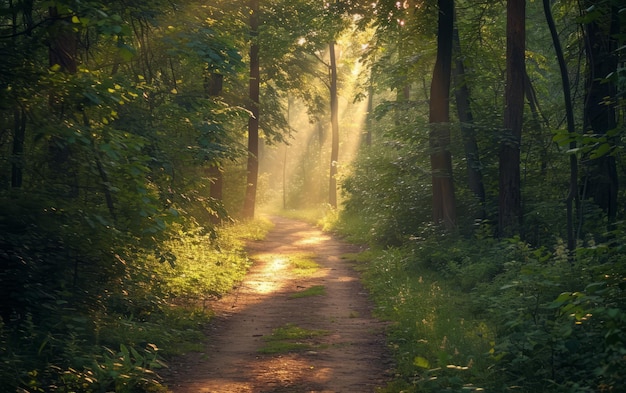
{"points": [[349, 356]]}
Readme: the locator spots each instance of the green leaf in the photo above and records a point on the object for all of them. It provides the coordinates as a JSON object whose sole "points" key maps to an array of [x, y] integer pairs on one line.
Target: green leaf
{"points": [[421, 362], [560, 300], [602, 150]]}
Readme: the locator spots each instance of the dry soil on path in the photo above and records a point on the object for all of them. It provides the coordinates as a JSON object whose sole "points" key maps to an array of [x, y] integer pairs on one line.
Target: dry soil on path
{"points": [[350, 357]]}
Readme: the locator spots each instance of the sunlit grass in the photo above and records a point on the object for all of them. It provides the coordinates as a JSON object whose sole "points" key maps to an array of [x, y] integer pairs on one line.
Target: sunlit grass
{"points": [[171, 308], [316, 290], [209, 264], [255, 229], [303, 264], [434, 336], [291, 338]]}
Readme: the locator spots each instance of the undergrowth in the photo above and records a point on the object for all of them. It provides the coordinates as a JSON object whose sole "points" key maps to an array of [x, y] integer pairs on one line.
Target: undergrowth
{"points": [[118, 339], [481, 314]]}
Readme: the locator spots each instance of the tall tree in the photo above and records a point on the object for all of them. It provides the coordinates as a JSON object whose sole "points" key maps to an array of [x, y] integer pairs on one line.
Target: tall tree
{"points": [[468, 130], [601, 44], [213, 87], [334, 124], [510, 205], [444, 204], [253, 107], [572, 195]]}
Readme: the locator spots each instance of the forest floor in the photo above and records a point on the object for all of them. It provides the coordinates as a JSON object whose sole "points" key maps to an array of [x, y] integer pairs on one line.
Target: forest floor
{"points": [[344, 352]]}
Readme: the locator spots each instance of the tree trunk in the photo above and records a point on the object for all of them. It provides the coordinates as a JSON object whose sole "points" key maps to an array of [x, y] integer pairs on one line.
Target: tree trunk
{"points": [[213, 83], [370, 112], [253, 122], [17, 154], [19, 114], [62, 53], [599, 117], [63, 43], [510, 206], [571, 126], [468, 132], [444, 204], [334, 124], [533, 105], [402, 84]]}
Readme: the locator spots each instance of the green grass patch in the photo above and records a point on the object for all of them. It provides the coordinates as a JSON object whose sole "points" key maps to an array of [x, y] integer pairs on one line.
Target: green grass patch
{"points": [[291, 338], [434, 336], [255, 229], [208, 264], [303, 264], [316, 290]]}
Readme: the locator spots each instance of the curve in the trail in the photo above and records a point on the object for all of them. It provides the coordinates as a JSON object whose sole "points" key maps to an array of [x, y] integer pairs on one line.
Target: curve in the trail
{"points": [[349, 357]]}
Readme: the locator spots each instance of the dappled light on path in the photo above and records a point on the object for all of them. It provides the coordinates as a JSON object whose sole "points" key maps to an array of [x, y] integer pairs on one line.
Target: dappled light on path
{"points": [[264, 284], [312, 240], [345, 357]]}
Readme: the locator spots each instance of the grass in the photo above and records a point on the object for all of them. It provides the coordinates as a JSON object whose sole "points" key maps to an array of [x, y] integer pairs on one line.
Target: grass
{"points": [[291, 338], [303, 264], [316, 290], [208, 264], [434, 337], [171, 312]]}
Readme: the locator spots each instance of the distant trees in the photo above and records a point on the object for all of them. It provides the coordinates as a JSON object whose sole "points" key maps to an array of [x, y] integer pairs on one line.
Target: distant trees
{"points": [[497, 66]]}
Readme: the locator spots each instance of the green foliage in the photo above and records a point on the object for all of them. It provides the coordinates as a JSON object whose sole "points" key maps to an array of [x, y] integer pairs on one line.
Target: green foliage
{"points": [[560, 321], [481, 313], [55, 339], [438, 344], [105, 204], [387, 194], [207, 265]]}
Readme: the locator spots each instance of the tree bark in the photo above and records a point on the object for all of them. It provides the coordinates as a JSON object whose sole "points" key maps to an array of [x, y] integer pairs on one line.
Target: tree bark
{"points": [[533, 105], [63, 43], [444, 204], [334, 124], [253, 122], [571, 126], [510, 206], [370, 112], [17, 153], [62, 53], [468, 132], [599, 115]]}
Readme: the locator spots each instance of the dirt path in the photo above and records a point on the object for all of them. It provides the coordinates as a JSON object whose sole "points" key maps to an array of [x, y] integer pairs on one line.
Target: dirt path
{"points": [[350, 355]]}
